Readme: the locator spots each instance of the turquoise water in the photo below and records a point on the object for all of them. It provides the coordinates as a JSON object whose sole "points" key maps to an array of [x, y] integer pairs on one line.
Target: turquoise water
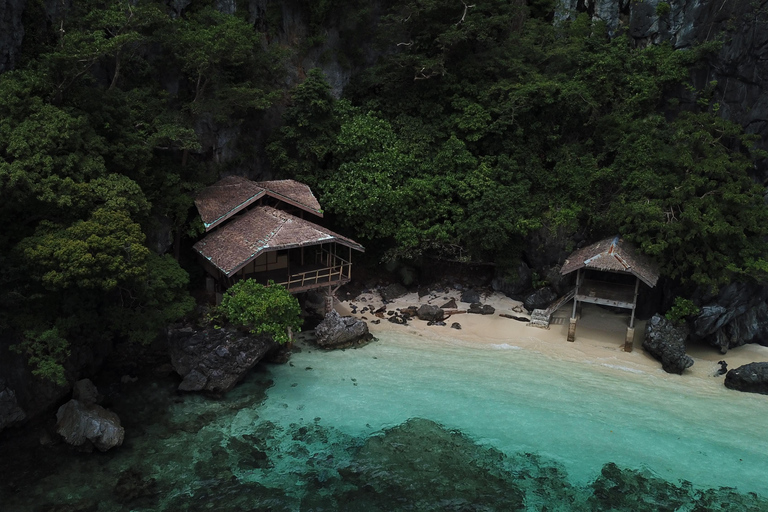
{"points": [[409, 423]]}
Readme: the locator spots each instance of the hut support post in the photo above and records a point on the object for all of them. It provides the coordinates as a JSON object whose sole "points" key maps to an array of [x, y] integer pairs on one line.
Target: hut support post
{"points": [[629, 340], [572, 323]]}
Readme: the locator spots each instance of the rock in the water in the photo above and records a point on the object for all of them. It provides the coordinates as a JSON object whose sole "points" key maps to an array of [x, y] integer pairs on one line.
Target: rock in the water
{"points": [[540, 299], [337, 331], [85, 392], [666, 342], [10, 412], [470, 296], [752, 377], [215, 359], [430, 313], [393, 291], [78, 422], [481, 309]]}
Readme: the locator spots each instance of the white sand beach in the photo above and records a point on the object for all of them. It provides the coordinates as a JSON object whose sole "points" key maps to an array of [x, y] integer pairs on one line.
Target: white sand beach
{"points": [[599, 334]]}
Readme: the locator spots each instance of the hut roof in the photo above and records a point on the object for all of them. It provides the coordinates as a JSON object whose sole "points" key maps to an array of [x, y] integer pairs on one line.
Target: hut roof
{"points": [[293, 192], [260, 230], [225, 198], [613, 255]]}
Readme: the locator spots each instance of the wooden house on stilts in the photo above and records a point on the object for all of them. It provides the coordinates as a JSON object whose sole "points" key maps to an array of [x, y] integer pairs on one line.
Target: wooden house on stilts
{"points": [[596, 268], [257, 230]]}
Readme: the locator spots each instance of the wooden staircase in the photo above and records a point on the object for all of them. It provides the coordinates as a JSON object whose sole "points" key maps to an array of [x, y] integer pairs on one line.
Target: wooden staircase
{"points": [[540, 317]]}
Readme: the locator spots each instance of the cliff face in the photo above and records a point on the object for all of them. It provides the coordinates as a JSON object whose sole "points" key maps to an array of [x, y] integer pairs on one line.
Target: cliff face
{"points": [[740, 68], [11, 32]]}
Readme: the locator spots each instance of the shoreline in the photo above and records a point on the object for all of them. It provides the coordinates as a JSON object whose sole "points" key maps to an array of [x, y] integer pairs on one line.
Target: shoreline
{"points": [[599, 335]]}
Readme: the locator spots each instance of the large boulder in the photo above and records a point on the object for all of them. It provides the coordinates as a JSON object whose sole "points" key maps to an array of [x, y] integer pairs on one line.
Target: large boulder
{"points": [[336, 331], [79, 423], [470, 296], [752, 377], [737, 315], [430, 313], [540, 299], [215, 360], [665, 341], [512, 284]]}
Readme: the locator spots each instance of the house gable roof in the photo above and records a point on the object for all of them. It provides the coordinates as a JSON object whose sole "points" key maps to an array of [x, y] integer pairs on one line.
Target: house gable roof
{"points": [[294, 193], [260, 230], [613, 255], [225, 198]]}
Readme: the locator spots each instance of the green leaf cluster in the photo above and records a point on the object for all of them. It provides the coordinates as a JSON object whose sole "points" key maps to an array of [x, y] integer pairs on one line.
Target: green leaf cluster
{"points": [[269, 309]]}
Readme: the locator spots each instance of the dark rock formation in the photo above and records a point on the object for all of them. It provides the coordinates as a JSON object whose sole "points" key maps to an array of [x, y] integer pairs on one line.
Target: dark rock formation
{"points": [[337, 331], [540, 299], [11, 32], [481, 309], [86, 392], [393, 291], [666, 342], [456, 325], [451, 304], [10, 412], [430, 313], [752, 377], [470, 296], [78, 423], [738, 315], [512, 285], [215, 359]]}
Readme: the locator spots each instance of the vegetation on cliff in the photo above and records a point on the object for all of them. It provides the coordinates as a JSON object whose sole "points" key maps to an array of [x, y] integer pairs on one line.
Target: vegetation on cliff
{"points": [[473, 128]]}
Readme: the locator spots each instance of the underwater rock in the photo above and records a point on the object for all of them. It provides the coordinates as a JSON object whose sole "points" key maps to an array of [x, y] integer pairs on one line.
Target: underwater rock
{"points": [[666, 342], [481, 309], [430, 313], [132, 486], [752, 378], [215, 359], [337, 331], [78, 422]]}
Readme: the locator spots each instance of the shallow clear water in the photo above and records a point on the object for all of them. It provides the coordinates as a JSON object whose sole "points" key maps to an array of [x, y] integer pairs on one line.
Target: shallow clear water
{"points": [[409, 423]]}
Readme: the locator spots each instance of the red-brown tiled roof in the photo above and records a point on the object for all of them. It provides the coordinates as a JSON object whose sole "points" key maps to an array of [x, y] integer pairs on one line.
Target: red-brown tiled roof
{"points": [[225, 198], [262, 229], [293, 192], [613, 255]]}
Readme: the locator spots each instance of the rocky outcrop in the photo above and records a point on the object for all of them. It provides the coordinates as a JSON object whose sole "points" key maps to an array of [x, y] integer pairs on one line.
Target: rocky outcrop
{"points": [[540, 299], [79, 423], [430, 313], [752, 377], [392, 292], [738, 315], [336, 331], [215, 360], [470, 296], [515, 283], [10, 412], [11, 32], [739, 70], [666, 342]]}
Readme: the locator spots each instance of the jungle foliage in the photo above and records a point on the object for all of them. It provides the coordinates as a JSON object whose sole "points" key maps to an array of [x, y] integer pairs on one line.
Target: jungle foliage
{"points": [[269, 309], [466, 130], [481, 125]]}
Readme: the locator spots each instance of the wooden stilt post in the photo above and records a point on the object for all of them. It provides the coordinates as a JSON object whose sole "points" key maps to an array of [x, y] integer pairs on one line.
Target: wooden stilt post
{"points": [[572, 323], [629, 340]]}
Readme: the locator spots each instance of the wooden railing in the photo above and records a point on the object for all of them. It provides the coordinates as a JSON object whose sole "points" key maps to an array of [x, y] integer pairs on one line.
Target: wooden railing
{"points": [[337, 270]]}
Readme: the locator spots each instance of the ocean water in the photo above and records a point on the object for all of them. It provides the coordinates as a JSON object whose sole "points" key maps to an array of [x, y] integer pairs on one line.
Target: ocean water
{"points": [[412, 423]]}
